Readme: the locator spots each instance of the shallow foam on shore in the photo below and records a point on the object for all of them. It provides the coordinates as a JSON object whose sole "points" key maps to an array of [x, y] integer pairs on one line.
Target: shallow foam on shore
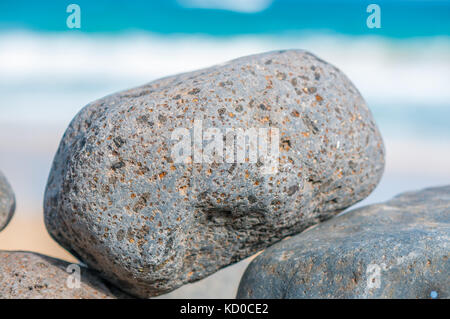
{"points": [[48, 77]]}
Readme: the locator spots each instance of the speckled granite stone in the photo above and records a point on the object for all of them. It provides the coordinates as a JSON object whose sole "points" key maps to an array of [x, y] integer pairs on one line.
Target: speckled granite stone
{"points": [[7, 202], [26, 275], [396, 249], [117, 200]]}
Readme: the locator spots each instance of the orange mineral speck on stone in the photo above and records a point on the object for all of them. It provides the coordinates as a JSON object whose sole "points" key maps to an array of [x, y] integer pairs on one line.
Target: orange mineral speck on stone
{"points": [[162, 174]]}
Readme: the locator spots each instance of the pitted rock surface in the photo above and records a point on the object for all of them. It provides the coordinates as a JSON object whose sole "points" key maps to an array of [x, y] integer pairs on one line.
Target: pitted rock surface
{"points": [[396, 249], [26, 275], [117, 200], [7, 202]]}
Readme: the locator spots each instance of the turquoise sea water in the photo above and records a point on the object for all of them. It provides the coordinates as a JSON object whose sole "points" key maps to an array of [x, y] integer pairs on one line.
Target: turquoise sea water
{"points": [[41, 55], [400, 18]]}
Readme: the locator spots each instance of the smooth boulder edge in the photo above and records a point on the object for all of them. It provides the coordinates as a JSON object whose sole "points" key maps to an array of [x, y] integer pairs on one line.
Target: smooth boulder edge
{"points": [[27, 275], [396, 249], [7, 202]]}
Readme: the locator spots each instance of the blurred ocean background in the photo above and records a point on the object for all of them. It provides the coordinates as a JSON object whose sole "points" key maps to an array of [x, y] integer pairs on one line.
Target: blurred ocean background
{"points": [[48, 72]]}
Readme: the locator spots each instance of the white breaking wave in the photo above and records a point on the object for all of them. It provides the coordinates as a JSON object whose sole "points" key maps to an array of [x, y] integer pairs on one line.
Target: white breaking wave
{"points": [[244, 6], [46, 77]]}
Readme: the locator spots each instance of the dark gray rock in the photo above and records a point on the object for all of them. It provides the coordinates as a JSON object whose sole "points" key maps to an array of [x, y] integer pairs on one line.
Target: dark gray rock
{"points": [[397, 249], [26, 275], [7, 202], [117, 199]]}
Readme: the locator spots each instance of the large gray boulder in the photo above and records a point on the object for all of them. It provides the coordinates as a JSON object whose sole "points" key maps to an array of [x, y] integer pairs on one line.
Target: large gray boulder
{"points": [[396, 249], [27, 275], [119, 198], [7, 202]]}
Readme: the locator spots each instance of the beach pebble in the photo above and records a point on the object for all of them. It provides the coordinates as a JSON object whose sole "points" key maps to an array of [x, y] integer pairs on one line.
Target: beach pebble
{"points": [[120, 199], [7, 202], [27, 275], [396, 249]]}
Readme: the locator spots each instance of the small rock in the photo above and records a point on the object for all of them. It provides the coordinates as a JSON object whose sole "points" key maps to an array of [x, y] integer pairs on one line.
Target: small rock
{"points": [[7, 202], [118, 200], [27, 275], [396, 249]]}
